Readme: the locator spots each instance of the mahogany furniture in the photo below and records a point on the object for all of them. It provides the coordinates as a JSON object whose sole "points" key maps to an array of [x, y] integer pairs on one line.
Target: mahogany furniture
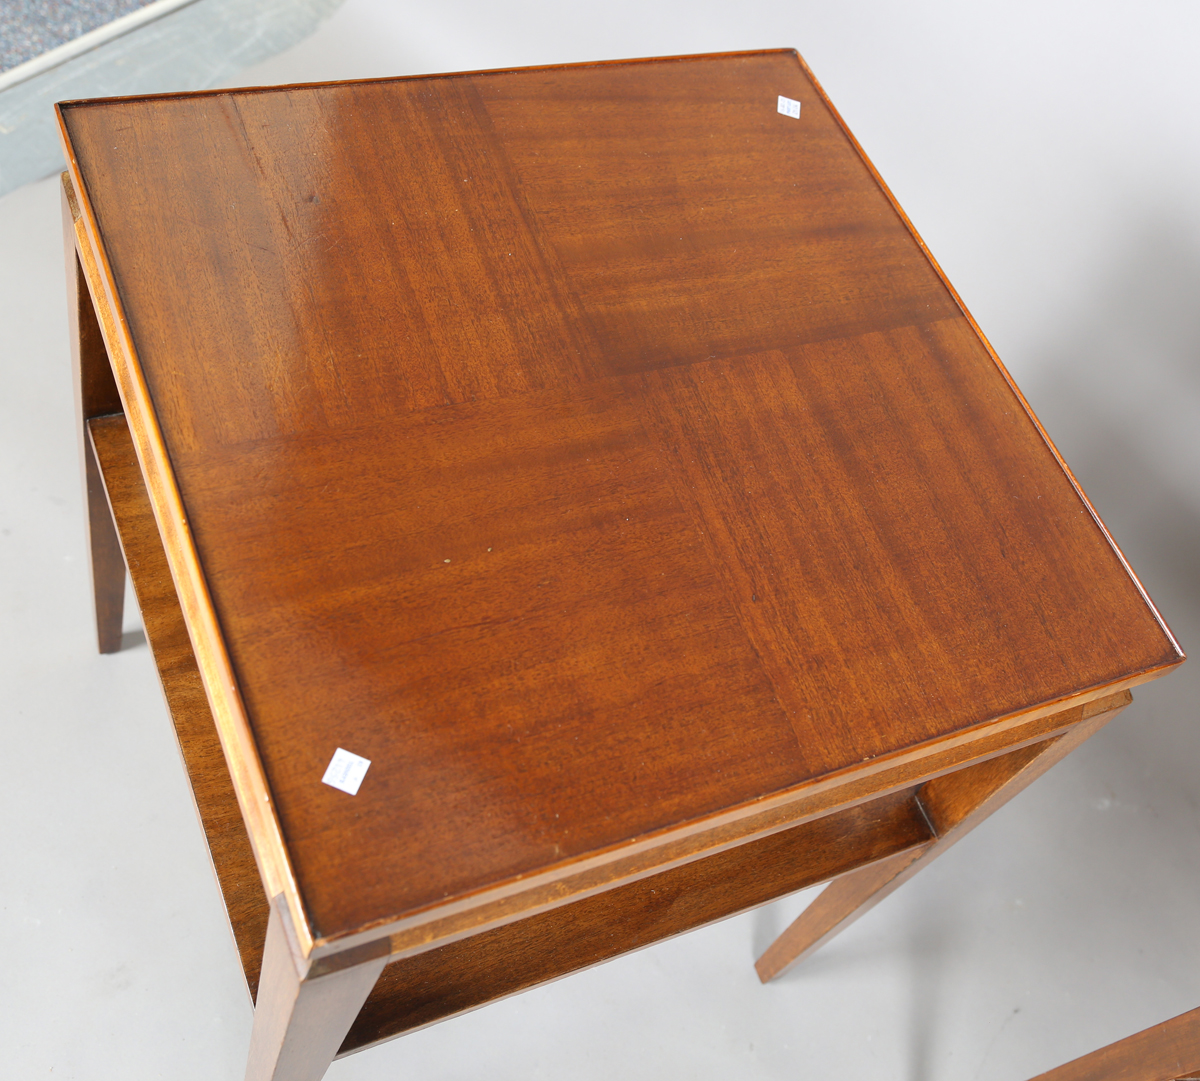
{"points": [[598, 452], [1166, 1052]]}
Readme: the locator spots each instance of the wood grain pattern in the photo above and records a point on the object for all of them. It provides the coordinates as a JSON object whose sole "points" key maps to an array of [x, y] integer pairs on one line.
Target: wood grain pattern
{"points": [[584, 877], [467, 973], [1160, 1053], [211, 656], [594, 449], [416, 991], [953, 804], [431, 986], [216, 802]]}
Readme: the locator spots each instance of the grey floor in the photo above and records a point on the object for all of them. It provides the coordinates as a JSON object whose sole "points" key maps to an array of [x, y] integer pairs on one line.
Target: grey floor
{"points": [[1050, 154]]}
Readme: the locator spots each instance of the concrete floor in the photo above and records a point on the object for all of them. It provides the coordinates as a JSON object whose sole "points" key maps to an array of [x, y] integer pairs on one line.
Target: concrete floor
{"points": [[32, 27], [1050, 155]]}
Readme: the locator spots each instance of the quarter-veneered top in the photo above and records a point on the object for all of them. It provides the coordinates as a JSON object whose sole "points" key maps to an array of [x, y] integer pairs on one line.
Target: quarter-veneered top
{"points": [[593, 448]]}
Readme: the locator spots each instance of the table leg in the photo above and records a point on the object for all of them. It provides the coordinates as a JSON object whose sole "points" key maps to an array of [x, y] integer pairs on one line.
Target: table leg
{"points": [[95, 395], [107, 563], [954, 803], [301, 1018]]}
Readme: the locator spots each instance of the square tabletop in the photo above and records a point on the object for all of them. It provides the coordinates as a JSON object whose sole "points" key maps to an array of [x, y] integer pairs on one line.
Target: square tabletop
{"points": [[596, 450]]}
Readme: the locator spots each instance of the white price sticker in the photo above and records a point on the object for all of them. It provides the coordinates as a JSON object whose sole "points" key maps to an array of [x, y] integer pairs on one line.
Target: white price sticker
{"points": [[346, 771], [789, 107]]}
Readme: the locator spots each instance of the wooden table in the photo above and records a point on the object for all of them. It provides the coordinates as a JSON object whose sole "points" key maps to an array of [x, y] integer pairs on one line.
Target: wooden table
{"points": [[598, 452]]}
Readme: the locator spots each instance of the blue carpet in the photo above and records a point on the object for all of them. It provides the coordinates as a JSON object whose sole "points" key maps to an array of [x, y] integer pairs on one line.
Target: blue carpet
{"points": [[29, 28]]}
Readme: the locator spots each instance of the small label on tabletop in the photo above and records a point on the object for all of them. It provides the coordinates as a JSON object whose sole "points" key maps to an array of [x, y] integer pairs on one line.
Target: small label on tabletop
{"points": [[346, 771], [789, 107]]}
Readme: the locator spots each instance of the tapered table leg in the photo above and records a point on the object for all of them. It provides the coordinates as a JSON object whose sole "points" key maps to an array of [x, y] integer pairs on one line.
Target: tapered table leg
{"points": [[300, 1019], [107, 563], [95, 395], [954, 804]]}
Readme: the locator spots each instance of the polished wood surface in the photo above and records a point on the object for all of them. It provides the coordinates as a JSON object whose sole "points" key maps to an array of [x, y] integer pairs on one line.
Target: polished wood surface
{"points": [[1163, 1052], [594, 449], [211, 657], [601, 454], [770, 815], [885, 835], [162, 619], [881, 837], [426, 987]]}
